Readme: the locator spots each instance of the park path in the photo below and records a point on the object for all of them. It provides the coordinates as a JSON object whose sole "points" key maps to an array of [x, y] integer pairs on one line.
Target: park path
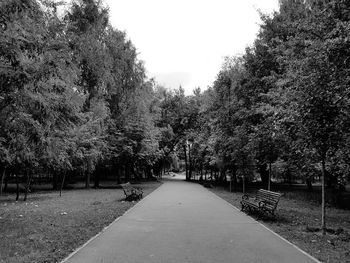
{"points": [[183, 222]]}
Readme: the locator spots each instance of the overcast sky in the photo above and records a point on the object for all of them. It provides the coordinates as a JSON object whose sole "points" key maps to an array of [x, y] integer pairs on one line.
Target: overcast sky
{"points": [[183, 42]]}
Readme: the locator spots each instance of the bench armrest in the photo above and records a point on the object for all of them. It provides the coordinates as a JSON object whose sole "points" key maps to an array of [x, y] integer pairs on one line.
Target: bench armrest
{"points": [[263, 203], [137, 190], [245, 197]]}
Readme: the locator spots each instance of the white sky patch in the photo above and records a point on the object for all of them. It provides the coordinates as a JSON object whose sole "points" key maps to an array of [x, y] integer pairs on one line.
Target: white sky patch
{"points": [[184, 42]]}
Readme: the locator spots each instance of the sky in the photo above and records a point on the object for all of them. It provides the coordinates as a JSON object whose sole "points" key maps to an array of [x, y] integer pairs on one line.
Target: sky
{"points": [[184, 42]]}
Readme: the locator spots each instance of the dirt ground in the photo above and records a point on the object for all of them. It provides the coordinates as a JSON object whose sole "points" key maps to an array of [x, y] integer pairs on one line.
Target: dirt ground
{"points": [[298, 216], [47, 228]]}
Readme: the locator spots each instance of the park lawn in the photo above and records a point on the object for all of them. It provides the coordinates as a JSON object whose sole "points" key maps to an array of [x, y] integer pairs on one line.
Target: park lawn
{"points": [[297, 214], [47, 228]]}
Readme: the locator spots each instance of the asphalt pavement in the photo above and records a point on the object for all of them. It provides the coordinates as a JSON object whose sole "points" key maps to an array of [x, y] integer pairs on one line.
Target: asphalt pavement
{"points": [[182, 222]]}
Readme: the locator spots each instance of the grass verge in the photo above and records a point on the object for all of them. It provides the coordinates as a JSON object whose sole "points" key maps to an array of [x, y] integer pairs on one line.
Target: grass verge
{"points": [[47, 228], [298, 216]]}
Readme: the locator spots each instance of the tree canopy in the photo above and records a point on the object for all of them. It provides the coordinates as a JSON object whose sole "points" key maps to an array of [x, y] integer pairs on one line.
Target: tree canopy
{"points": [[76, 100]]}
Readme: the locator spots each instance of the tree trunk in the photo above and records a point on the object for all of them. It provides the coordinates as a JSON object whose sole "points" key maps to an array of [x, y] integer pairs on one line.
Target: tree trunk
{"points": [[89, 171], [145, 173], [62, 183], [97, 178], [6, 182], [186, 165], [216, 175], [264, 174], [234, 177], [190, 163], [27, 186], [323, 197], [87, 180], [269, 182], [135, 172], [118, 175], [17, 187], [2, 181], [126, 173], [243, 184], [309, 184]]}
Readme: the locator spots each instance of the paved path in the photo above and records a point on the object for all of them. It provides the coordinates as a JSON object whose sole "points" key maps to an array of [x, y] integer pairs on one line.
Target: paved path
{"points": [[185, 223]]}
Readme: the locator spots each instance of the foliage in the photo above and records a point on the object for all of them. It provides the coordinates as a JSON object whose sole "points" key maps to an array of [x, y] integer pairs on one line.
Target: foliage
{"points": [[73, 96]]}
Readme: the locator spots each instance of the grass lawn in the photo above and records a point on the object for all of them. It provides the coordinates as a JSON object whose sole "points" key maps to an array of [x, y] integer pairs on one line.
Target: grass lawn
{"points": [[297, 214], [47, 228]]}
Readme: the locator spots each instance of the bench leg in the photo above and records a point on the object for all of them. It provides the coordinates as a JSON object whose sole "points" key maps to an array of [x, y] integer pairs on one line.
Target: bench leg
{"points": [[131, 197], [242, 207], [260, 213], [251, 209]]}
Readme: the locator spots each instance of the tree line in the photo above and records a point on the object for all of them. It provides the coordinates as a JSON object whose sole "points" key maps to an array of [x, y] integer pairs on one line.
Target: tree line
{"points": [[74, 97], [76, 100], [281, 109], [283, 103]]}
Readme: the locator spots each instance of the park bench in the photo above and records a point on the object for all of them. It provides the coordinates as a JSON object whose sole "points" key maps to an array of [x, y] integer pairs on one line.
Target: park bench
{"points": [[131, 193], [263, 202]]}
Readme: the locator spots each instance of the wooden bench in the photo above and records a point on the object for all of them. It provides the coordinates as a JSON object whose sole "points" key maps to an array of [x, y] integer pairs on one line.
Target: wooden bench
{"points": [[131, 193], [263, 202]]}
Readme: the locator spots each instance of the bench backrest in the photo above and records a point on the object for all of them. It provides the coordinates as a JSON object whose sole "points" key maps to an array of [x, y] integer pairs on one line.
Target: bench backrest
{"points": [[271, 197], [127, 188]]}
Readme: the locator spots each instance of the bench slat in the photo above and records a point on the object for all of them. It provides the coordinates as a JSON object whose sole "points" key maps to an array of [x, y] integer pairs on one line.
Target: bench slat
{"points": [[264, 201], [131, 193]]}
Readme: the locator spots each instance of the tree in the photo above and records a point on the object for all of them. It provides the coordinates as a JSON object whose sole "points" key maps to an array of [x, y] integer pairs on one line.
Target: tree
{"points": [[38, 77], [317, 79]]}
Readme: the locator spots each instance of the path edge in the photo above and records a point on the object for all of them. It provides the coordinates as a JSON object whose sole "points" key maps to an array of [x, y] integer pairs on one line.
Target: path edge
{"points": [[270, 230], [65, 260]]}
